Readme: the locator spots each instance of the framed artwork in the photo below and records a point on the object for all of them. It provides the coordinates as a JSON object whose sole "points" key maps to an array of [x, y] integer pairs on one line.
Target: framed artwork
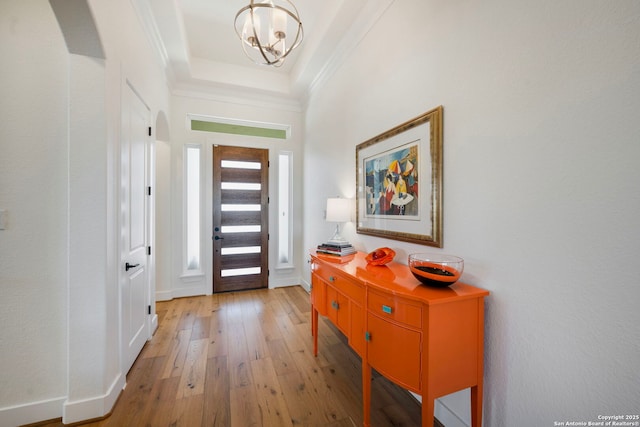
{"points": [[399, 182]]}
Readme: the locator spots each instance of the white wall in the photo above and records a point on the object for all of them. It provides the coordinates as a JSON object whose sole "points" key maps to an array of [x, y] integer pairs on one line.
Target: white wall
{"points": [[163, 219], [251, 110], [541, 195], [33, 191]]}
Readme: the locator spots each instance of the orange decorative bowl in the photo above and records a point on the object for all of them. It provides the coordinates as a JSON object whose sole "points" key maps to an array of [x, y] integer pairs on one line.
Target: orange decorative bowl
{"points": [[380, 256], [436, 269]]}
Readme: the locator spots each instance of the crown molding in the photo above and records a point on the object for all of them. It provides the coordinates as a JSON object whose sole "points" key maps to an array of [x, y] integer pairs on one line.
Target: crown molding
{"points": [[148, 22]]}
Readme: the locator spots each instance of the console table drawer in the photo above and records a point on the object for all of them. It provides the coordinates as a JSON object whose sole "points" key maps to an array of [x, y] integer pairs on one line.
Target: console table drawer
{"points": [[387, 306], [346, 286]]}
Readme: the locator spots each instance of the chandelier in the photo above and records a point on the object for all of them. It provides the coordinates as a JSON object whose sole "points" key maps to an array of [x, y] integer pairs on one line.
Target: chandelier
{"points": [[269, 30]]}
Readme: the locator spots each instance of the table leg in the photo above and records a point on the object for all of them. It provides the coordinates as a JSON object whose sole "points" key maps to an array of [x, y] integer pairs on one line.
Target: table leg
{"points": [[428, 404], [314, 330], [476, 406], [366, 394]]}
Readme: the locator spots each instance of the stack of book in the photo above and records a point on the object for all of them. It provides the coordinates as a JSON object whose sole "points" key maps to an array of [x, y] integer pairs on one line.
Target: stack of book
{"points": [[339, 249]]}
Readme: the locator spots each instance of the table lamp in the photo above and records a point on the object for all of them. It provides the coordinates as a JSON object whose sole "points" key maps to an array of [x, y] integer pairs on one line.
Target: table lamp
{"points": [[338, 210]]}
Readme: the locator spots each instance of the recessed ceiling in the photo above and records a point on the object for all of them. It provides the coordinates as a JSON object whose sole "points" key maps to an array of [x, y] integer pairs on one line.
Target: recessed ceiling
{"points": [[201, 51]]}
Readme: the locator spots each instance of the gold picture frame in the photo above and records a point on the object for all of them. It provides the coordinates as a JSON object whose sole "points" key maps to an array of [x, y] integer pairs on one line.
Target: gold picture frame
{"points": [[399, 182]]}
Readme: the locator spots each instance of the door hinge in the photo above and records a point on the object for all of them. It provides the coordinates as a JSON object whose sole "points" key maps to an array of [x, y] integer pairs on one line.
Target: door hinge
{"points": [[268, 163], [149, 130], [268, 272], [148, 309], [148, 250], [148, 191], [268, 236]]}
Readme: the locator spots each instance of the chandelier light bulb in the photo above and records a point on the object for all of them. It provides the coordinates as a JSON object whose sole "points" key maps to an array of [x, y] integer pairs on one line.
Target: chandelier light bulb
{"points": [[279, 23], [251, 29]]}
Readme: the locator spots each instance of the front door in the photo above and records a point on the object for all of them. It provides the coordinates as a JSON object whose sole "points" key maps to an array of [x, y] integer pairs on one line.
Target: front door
{"points": [[134, 292], [240, 218]]}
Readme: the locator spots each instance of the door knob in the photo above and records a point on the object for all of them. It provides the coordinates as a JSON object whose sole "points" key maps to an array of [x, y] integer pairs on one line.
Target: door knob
{"points": [[128, 266], [218, 238]]}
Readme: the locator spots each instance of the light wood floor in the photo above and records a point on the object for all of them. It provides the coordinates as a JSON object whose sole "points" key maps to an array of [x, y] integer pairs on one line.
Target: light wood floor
{"points": [[245, 359]]}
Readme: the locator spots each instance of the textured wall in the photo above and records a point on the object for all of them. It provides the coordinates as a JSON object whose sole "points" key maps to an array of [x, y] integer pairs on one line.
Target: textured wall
{"points": [[541, 195], [33, 190]]}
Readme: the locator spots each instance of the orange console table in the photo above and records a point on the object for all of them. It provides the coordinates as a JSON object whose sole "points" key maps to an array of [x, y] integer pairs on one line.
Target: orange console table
{"points": [[427, 340]]}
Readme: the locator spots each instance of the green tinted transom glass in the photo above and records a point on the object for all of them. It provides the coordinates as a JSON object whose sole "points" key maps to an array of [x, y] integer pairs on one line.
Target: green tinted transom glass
{"points": [[238, 129]]}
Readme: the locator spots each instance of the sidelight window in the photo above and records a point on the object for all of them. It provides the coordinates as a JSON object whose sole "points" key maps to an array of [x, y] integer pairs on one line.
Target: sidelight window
{"points": [[285, 202], [192, 208]]}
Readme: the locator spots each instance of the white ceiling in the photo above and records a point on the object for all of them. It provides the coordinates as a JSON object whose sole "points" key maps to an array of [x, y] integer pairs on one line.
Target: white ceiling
{"points": [[201, 52]]}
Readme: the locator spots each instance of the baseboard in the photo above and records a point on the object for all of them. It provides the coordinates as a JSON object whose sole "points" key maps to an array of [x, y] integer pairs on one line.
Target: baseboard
{"points": [[446, 416], [154, 325], [306, 285], [30, 413], [180, 293], [164, 295], [96, 407], [195, 291], [283, 283]]}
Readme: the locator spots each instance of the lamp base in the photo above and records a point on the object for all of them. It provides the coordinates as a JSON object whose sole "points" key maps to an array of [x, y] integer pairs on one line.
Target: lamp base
{"points": [[337, 239]]}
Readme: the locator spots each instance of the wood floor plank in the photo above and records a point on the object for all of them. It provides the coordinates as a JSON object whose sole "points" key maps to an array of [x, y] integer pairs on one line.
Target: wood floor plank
{"points": [[238, 356], [177, 354], [269, 324], [245, 411], [163, 397], [274, 303], [281, 357], [291, 309], [217, 397], [218, 333], [273, 408], [189, 312], [256, 343], [347, 422], [328, 336], [313, 376], [201, 327], [193, 372], [161, 343], [209, 303], [326, 339], [232, 303], [289, 333], [187, 411], [305, 403], [299, 298]]}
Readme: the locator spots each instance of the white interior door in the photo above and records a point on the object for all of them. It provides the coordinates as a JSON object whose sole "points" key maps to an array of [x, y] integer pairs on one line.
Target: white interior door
{"points": [[134, 217]]}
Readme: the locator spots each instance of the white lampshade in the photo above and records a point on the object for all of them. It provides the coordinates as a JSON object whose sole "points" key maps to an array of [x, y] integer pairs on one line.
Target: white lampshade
{"points": [[338, 210]]}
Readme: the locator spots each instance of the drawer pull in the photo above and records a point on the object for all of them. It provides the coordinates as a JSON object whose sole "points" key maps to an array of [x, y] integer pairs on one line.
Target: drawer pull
{"points": [[335, 305], [387, 309], [367, 336], [332, 279]]}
